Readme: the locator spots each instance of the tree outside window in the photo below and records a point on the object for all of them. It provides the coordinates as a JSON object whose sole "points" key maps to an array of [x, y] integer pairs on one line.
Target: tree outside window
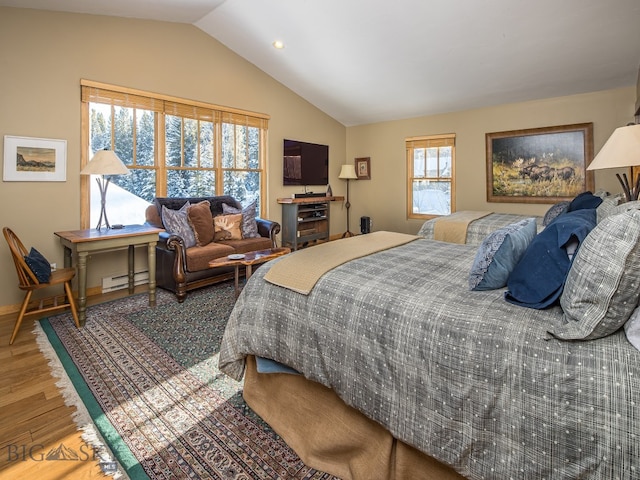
{"points": [[172, 149], [430, 167]]}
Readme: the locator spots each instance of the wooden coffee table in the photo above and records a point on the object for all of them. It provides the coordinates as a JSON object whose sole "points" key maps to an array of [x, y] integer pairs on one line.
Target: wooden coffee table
{"points": [[248, 259]]}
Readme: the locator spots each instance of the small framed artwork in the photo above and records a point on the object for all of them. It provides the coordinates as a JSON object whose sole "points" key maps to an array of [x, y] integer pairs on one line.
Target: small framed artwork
{"points": [[539, 165], [363, 168], [28, 159]]}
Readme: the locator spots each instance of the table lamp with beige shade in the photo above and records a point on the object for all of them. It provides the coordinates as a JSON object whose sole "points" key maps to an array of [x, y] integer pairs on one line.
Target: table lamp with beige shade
{"points": [[621, 150], [104, 163], [348, 172]]}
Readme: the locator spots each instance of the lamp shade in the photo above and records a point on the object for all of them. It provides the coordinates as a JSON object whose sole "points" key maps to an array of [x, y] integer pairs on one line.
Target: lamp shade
{"points": [[105, 162], [348, 172], [621, 150]]}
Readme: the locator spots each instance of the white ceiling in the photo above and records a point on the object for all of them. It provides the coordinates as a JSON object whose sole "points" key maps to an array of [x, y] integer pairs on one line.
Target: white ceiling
{"points": [[365, 61]]}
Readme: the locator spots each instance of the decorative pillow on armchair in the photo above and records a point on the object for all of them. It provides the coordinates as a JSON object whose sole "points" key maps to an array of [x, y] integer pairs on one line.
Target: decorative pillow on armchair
{"points": [[176, 222], [201, 220], [602, 290], [227, 227], [499, 253], [249, 225]]}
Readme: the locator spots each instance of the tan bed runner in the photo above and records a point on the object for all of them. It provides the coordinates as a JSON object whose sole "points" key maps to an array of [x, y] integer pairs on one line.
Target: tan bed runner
{"points": [[300, 270], [453, 228]]}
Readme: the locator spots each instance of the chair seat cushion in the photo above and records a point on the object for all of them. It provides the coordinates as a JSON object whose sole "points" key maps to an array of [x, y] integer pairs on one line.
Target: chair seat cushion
{"points": [[248, 244], [198, 258]]}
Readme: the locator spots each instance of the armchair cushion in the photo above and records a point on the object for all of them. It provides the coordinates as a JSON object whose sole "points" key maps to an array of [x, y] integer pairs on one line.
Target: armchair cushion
{"points": [[176, 222], [198, 258], [249, 214], [201, 221], [227, 227]]}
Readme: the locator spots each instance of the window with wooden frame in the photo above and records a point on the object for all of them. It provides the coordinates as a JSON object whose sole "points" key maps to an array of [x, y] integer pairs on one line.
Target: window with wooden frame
{"points": [[430, 175], [172, 147]]}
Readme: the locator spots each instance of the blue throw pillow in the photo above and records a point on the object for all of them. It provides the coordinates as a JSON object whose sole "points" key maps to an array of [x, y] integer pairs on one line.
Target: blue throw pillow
{"points": [[585, 200], [499, 253], [538, 279], [39, 265]]}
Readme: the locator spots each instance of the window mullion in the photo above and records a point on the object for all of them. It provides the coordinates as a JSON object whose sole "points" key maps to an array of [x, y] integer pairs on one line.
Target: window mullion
{"points": [[160, 157], [217, 158]]}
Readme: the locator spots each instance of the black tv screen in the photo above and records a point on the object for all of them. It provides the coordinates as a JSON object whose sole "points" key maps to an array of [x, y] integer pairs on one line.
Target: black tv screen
{"points": [[305, 163]]}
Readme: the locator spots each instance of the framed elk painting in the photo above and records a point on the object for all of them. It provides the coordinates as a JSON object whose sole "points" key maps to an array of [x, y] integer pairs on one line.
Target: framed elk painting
{"points": [[539, 165]]}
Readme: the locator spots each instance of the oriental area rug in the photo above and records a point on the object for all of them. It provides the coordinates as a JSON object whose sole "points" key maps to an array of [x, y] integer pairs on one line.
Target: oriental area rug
{"points": [[150, 397]]}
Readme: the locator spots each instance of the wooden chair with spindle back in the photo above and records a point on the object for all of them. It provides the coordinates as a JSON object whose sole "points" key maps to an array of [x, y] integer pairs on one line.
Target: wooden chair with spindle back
{"points": [[28, 281]]}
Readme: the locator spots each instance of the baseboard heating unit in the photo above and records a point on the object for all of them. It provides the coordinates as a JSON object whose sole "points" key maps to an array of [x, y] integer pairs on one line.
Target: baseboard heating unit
{"points": [[120, 281]]}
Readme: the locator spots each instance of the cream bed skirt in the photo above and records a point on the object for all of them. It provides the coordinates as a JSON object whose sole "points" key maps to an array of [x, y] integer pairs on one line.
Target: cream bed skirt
{"points": [[330, 436]]}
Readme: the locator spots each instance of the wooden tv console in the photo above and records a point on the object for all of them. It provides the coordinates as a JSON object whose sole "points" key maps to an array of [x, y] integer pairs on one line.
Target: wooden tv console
{"points": [[305, 221]]}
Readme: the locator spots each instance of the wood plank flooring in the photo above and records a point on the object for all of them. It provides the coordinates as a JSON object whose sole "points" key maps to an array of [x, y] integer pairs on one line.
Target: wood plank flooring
{"points": [[33, 417]]}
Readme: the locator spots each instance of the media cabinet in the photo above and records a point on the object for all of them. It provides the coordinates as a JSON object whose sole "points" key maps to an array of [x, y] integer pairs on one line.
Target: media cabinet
{"points": [[305, 221]]}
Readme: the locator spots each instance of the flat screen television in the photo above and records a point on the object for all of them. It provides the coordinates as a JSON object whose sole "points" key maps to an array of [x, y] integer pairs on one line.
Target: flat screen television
{"points": [[305, 163]]}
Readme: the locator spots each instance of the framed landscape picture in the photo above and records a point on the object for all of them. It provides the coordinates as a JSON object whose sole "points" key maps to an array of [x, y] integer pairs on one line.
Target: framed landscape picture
{"points": [[28, 159], [539, 165]]}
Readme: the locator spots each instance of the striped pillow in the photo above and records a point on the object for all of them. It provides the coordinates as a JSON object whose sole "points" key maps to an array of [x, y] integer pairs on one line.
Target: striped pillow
{"points": [[603, 284]]}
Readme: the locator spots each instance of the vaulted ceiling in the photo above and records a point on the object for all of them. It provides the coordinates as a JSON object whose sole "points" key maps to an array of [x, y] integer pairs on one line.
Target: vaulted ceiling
{"points": [[365, 61]]}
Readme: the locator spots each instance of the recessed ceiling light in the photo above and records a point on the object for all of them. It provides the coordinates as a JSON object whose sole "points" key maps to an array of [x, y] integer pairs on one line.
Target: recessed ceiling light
{"points": [[278, 44]]}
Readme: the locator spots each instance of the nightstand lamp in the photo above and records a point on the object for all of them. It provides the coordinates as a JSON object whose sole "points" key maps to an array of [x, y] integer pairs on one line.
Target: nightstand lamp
{"points": [[621, 150]]}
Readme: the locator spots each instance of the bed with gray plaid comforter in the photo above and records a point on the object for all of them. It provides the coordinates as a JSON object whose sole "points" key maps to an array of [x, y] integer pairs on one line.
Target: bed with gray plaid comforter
{"points": [[478, 229], [463, 376]]}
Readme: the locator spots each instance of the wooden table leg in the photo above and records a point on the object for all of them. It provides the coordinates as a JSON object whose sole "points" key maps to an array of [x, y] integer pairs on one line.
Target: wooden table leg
{"points": [[151, 258], [67, 257], [131, 273], [236, 283], [82, 287]]}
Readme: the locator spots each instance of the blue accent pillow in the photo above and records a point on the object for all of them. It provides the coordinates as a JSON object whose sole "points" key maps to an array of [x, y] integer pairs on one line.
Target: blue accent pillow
{"points": [[538, 279], [499, 253], [585, 200], [39, 265]]}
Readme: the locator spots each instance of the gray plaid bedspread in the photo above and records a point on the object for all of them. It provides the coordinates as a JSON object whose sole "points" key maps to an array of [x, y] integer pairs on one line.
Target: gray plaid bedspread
{"points": [[480, 228], [463, 376]]}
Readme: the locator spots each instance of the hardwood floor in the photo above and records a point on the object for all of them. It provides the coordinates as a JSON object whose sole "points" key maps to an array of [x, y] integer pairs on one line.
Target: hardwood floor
{"points": [[33, 417]]}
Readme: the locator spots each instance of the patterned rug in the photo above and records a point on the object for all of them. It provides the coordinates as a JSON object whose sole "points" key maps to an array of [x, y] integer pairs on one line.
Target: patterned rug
{"points": [[149, 380]]}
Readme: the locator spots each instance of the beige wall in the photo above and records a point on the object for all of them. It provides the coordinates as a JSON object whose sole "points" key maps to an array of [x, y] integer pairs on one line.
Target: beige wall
{"points": [[44, 55], [638, 98], [383, 197]]}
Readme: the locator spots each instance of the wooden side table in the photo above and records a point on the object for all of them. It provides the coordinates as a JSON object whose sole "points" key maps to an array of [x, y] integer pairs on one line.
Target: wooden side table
{"points": [[83, 242], [248, 260]]}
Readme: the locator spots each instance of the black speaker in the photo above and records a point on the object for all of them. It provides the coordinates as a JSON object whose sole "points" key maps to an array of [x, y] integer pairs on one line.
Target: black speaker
{"points": [[365, 225]]}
